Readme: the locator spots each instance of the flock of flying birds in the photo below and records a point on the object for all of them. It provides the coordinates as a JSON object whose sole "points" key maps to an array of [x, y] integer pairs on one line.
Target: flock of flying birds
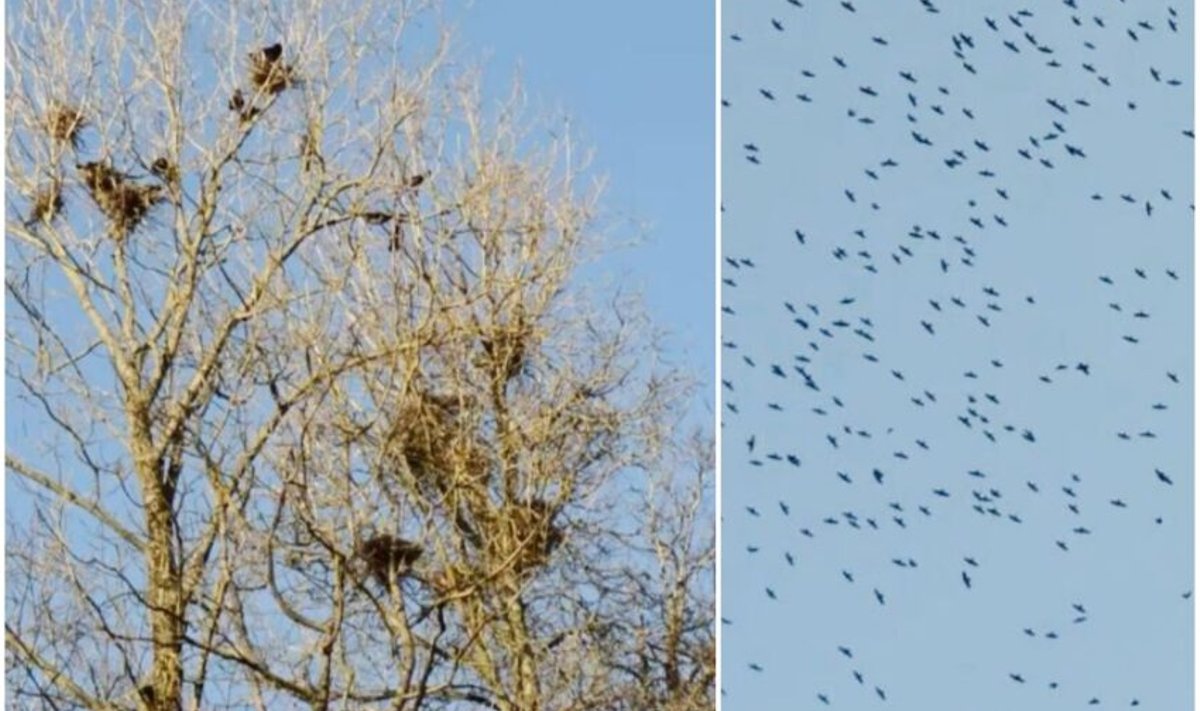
{"points": [[956, 354]]}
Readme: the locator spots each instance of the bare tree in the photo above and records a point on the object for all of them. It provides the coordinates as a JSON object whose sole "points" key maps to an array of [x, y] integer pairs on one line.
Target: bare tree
{"points": [[312, 406]]}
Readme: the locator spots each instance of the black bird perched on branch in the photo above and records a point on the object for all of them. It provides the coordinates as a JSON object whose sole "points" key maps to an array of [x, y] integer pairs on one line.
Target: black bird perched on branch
{"points": [[237, 104], [165, 170], [268, 73], [273, 52]]}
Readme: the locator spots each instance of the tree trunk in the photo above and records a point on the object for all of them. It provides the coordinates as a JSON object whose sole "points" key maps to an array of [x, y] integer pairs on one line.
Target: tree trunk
{"points": [[166, 609], [527, 692], [166, 613], [164, 581]]}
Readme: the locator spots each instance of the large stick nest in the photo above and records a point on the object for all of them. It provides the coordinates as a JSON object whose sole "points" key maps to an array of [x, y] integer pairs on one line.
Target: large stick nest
{"points": [[522, 535], [430, 437], [124, 202], [387, 557]]}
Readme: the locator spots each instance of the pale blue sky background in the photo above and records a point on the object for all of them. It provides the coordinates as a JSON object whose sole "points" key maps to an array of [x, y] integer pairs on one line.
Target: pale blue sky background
{"points": [[934, 644]]}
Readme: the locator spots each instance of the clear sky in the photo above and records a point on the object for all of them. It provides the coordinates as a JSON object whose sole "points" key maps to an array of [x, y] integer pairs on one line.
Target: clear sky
{"points": [[637, 80], [887, 251]]}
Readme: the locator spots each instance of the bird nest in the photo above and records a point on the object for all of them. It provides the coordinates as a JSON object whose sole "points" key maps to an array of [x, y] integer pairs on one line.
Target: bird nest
{"points": [[429, 438], [124, 202], [64, 123], [504, 351], [387, 557], [269, 74], [523, 535], [47, 204]]}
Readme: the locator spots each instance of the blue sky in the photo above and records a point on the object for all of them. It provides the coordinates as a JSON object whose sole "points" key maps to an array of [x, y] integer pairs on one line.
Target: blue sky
{"points": [[637, 79], [935, 643]]}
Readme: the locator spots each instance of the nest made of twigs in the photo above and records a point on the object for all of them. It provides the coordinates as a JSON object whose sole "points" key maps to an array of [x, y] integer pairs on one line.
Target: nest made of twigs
{"points": [[64, 123], [387, 557], [523, 535], [124, 202], [269, 74], [47, 204], [504, 350], [429, 438]]}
